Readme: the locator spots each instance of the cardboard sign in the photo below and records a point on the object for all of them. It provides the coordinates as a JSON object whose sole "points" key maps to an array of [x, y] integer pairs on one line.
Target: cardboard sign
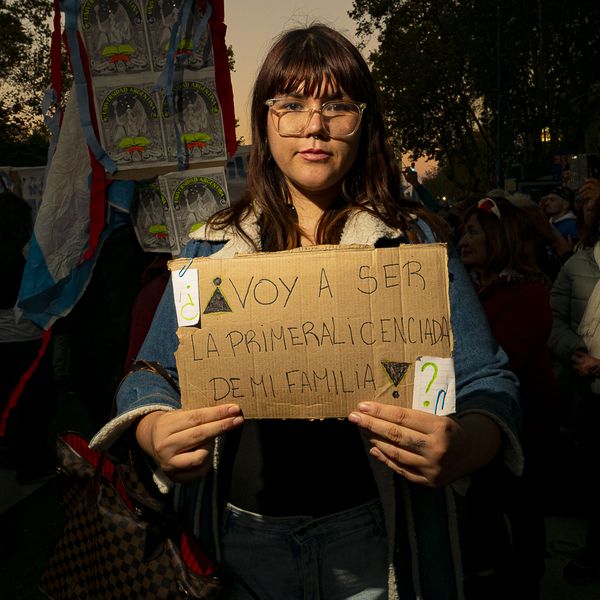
{"points": [[312, 332]]}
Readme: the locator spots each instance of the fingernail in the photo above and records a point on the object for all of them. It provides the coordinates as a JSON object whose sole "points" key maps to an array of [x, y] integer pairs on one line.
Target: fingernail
{"points": [[375, 452], [364, 407], [238, 421], [354, 417], [233, 410]]}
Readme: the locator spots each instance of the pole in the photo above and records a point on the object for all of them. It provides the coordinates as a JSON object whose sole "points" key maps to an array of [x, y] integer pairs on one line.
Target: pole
{"points": [[499, 170]]}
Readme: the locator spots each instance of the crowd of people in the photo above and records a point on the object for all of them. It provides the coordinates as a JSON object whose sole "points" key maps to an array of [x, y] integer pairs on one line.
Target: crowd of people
{"points": [[535, 266], [390, 502]]}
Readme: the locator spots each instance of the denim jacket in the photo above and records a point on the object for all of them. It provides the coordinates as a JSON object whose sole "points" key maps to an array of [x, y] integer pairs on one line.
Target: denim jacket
{"points": [[483, 385]]}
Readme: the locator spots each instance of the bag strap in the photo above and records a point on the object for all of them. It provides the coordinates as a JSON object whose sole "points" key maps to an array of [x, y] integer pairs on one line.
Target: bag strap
{"points": [[157, 368]]}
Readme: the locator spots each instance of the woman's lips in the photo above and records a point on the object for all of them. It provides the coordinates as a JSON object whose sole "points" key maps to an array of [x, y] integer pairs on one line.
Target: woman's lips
{"points": [[314, 154]]}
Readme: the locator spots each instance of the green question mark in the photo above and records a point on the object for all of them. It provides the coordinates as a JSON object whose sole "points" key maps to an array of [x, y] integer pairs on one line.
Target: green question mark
{"points": [[435, 373]]}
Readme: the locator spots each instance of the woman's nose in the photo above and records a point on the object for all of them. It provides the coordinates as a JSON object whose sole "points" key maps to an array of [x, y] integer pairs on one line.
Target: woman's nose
{"points": [[315, 123]]}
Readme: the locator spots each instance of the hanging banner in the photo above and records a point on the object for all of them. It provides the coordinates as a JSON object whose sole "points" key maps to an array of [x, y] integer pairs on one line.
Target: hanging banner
{"points": [[155, 82]]}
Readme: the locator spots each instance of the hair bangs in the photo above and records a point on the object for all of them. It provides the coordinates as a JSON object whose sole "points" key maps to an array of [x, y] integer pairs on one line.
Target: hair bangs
{"points": [[306, 80], [318, 69]]}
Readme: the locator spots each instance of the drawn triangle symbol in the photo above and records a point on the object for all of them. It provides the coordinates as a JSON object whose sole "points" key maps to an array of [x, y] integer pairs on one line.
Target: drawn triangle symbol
{"points": [[396, 370], [217, 303]]}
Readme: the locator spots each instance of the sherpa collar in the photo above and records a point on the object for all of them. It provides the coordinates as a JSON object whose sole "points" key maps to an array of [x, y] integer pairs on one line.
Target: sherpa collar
{"points": [[362, 227]]}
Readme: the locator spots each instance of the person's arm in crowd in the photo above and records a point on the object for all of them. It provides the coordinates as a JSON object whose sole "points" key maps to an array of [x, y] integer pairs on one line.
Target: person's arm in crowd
{"points": [[563, 341], [412, 177], [590, 189]]}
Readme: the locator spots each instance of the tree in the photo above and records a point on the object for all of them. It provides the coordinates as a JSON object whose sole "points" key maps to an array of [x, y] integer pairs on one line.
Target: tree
{"points": [[25, 73], [447, 69], [25, 62]]}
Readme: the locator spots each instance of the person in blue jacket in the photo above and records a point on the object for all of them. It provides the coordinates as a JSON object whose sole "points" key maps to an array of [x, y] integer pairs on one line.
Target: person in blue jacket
{"points": [[363, 507]]}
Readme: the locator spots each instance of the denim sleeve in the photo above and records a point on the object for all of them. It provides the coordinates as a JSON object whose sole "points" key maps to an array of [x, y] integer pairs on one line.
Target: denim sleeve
{"points": [[143, 392], [484, 383]]}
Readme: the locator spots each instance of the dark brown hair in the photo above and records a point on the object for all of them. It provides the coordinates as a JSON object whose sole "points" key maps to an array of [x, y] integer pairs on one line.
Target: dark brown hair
{"points": [[319, 59], [510, 239]]}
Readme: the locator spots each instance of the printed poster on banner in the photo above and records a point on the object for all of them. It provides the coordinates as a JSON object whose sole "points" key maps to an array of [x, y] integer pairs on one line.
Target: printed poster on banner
{"points": [[169, 209], [127, 43]]}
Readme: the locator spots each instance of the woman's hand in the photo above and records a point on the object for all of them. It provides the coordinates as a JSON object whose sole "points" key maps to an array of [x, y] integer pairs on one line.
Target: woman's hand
{"points": [[182, 441], [584, 364], [590, 190], [425, 448], [411, 176]]}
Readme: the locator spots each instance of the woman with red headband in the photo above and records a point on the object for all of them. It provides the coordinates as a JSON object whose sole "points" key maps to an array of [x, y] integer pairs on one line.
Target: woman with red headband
{"points": [[497, 247]]}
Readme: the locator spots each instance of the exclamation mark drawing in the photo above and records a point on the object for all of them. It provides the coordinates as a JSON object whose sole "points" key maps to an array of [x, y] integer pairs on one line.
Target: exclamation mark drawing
{"points": [[396, 372]]}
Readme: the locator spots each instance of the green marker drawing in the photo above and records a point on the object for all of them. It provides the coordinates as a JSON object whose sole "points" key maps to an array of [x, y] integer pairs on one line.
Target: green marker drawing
{"points": [[190, 303], [435, 373]]}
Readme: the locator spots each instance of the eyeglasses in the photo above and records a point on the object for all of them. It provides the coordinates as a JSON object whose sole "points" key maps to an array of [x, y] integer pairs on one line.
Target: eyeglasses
{"points": [[339, 118]]}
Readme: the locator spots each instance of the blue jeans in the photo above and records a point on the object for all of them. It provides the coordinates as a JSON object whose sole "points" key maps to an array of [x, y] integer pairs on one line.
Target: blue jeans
{"points": [[337, 557]]}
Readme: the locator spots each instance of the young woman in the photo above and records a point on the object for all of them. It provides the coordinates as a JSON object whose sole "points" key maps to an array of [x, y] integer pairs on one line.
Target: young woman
{"points": [[498, 249], [335, 508]]}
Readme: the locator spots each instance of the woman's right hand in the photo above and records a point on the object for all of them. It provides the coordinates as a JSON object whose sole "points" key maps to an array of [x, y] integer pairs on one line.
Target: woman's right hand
{"points": [[590, 190], [182, 441]]}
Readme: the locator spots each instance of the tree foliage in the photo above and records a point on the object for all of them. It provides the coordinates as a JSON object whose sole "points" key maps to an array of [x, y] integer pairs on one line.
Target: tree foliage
{"points": [[24, 76], [24, 61], [447, 68]]}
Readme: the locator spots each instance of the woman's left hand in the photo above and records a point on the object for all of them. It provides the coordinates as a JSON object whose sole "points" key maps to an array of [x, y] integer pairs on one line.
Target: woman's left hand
{"points": [[425, 448]]}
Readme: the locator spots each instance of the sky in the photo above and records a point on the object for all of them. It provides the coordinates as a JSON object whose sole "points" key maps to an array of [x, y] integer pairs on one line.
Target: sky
{"points": [[251, 27]]}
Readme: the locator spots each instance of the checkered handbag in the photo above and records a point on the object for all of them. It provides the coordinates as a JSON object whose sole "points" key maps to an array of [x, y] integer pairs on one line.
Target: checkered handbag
{"points": [[119, 542]]}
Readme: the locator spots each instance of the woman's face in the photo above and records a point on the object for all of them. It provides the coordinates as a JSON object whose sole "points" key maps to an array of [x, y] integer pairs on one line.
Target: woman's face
{"points": [[472, 245], [313, 164]]}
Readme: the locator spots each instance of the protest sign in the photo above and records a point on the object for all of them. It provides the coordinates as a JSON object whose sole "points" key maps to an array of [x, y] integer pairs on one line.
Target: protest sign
{"points": [[312, 332]]}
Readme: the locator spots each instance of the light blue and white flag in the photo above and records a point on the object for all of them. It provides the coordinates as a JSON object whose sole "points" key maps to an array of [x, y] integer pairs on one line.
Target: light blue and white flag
{"points": [[56, 274]]}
